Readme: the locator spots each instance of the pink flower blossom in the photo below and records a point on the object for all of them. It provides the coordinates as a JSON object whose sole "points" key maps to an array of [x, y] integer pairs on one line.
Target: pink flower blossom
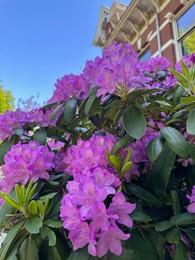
{"points": [[121, 208], [17, 119], [25, 162], [70, 86], [110, 240], [90, 153], [89, 210], [191, 207]]}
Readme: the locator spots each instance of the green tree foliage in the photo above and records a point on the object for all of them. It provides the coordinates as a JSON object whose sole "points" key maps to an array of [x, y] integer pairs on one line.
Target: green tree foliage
{"points": [[6, 100]]}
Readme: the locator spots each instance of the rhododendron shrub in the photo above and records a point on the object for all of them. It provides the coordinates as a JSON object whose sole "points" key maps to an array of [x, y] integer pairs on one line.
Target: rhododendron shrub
{"points": [[105, 170]]}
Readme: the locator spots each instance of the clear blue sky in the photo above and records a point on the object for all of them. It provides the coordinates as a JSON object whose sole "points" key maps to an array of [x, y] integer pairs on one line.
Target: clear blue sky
{"points": [[42, 40]]}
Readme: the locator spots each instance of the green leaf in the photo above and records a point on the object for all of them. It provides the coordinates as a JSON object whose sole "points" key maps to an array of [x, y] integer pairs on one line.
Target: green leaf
{"points": [[154, 148], [50, 196], [134, 122], [180, 252], [140, 216], [122, 143], [56, 111], [126, 167], [33, 225], [173, 236], [185, 70], [28, 250], [48, 106], [70, 109], [190, 126], [12, 202], [6, 209], [142, 194], [127, 254], [7, 243], [180, 77], [115, 161], [49, 234], [6, 146], [30, 191], [142, 246], [175, 202], [32, 207], [54, 223], [92, 103], [161, 171], [163, 225], [18, 131], [40, 136], [190, 233], [80, 254], [183, 219], [192, 151], [176, 141]]}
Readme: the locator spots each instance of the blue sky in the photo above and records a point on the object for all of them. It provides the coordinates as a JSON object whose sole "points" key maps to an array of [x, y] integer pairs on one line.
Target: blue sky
{"points": [[42, 40]]}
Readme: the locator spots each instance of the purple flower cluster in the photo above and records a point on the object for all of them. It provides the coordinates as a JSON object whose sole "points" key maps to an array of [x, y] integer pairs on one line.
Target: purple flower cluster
{"points": [[191, 207], [139, 152], [90, 153], [70, 86], [189, 61], [17, 119], [25, 162], [92, 207], [117, 71], [154, 66]]}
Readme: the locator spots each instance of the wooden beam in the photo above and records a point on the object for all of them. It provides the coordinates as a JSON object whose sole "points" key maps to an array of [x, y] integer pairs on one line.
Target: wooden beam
{"points": [[134, 27], [142, 15], [155, 3], [126, 37], [133, 20]]}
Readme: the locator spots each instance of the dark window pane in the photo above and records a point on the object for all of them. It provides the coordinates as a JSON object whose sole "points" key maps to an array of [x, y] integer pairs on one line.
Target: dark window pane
{"points": [[145, 56], [188, 44], [186, 21]]}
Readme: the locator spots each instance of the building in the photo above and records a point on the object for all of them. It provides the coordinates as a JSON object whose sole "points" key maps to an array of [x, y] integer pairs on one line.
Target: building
{"points": [[152, 27]]}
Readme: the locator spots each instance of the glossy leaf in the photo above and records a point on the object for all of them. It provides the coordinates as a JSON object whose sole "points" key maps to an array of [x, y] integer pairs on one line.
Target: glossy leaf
{"points": [[28, 250], [180, 252], [40, 136], [54, 223], [49, 234], [190, 126], [32, 207], [121, 143], [161, 171], [142, 247], [33, 225], [70, 109], [140, 216], [175, 202], [173, 236], [6, 146], [176, 141], [92, 103], [183, 219], [154, 148], [9, 239], [134, 122], [56, 111], [163, 225], [142, 194]]}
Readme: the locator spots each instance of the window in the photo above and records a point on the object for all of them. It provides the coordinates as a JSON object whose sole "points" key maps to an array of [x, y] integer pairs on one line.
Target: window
{"points": [[146, 55], [186, 31]]}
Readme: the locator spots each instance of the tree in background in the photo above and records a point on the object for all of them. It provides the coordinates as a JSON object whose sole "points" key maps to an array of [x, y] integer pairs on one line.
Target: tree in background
{"points": [[6, 100], [189, 43]]}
